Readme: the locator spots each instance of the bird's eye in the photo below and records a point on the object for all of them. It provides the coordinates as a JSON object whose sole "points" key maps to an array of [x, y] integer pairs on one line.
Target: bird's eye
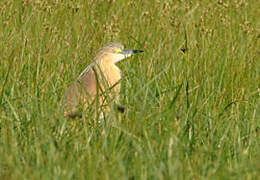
{"points": [[118, 50]]}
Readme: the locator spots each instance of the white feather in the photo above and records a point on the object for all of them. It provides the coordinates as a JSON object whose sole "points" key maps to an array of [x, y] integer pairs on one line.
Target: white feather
{"points": [[118, 57]]}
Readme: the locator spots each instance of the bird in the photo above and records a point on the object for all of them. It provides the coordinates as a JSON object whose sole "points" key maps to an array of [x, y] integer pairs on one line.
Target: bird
{"points": [[100, 80]]}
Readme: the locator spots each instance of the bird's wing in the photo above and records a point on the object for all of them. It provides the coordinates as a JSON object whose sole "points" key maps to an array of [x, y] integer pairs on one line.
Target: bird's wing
{"points": [[87, 80], [85, 71]]}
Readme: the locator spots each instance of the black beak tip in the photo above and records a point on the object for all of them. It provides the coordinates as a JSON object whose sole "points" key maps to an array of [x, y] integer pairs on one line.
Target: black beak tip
{"points": [[138, 51]]}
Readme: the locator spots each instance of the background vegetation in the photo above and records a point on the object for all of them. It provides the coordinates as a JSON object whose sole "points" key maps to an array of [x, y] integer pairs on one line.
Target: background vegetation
{"points": [[192, 99]]}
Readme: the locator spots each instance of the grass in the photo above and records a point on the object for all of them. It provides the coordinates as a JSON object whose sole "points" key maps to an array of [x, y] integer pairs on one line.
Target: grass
{"points": [[191, 115]]}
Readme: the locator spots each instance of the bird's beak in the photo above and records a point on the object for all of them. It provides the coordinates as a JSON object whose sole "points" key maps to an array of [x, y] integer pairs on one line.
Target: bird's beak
{"points": [[129, 52], [124, 54], [137, 51]]}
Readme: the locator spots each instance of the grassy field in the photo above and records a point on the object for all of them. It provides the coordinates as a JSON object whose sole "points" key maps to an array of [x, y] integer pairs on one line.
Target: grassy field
{"points": [[192, 98]]}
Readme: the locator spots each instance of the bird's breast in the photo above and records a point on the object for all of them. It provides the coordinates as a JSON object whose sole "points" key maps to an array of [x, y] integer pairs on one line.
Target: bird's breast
{"points": [[113, 75]]}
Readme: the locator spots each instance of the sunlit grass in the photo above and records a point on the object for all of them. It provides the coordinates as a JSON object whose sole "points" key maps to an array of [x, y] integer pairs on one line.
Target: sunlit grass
{"points": [[192, 98]]}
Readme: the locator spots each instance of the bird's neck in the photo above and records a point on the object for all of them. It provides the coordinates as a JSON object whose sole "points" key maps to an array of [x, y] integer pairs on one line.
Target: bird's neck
{"points": [[111, 72]]}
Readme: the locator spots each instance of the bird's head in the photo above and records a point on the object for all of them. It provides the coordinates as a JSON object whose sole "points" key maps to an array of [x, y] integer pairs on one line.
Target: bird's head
{"points": [[114, 52]]}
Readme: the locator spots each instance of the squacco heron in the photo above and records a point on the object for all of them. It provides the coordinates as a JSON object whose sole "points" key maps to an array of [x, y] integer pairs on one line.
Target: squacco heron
{"points": [[101, 76]]}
